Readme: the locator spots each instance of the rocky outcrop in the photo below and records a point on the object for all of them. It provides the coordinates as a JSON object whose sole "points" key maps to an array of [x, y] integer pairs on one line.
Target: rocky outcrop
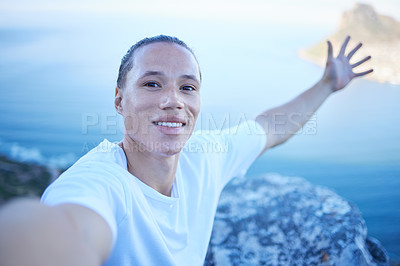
{"points": [[275, 220], [22, 179], [380, 35]]}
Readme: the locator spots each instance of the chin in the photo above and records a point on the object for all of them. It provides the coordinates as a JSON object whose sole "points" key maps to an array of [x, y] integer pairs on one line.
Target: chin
{"points": [[170, 149]]}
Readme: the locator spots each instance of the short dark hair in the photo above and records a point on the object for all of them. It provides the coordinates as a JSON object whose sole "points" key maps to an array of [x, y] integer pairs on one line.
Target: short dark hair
{"points": [[127, 60]]}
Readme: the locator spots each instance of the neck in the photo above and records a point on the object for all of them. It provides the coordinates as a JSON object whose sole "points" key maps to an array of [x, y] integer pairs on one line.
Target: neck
{"points": [[156, 171]]}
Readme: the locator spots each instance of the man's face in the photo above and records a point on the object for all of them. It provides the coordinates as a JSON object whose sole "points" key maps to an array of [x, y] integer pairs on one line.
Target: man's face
{"points": [[161, 98]]}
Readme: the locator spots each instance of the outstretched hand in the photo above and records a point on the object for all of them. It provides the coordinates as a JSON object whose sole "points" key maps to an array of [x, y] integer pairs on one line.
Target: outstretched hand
{"points": [[338, 71]]}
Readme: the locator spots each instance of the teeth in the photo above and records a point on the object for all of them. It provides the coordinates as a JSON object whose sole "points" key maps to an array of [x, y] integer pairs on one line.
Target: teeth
{"points": [[169, 124]]}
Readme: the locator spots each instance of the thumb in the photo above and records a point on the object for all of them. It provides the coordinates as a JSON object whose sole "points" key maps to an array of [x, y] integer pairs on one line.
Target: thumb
{"points": [[330, 50]]}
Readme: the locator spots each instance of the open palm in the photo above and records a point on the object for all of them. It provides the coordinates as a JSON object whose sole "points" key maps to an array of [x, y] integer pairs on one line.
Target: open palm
{"points": [[338, 71]]}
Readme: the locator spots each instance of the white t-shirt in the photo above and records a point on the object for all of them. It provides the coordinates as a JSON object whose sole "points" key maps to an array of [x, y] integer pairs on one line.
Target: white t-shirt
{"points": [[150, 228]]}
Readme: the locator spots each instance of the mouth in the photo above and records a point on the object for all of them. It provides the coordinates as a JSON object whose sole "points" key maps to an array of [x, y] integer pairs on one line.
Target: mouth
{"points": [[170, 124]]}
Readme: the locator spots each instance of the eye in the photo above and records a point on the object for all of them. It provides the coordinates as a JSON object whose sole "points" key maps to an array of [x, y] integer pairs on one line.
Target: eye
{"points": [[152, 84], [188, 88]]}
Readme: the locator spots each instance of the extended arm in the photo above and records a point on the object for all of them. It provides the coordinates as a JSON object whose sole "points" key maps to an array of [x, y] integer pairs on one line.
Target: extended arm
{"points": [[282, 122], [36, 234]]}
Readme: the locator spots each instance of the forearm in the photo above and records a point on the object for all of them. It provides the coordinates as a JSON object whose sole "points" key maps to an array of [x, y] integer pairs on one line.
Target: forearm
{"points": [[282, 122], [36, 234]]}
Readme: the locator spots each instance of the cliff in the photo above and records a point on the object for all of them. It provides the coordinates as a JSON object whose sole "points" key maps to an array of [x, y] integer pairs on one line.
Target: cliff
{"points": [[276, 220], [380, 35], [23, 179]]}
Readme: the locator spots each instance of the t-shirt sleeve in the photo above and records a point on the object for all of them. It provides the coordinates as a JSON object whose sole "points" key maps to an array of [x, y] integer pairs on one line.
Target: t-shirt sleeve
{"points": [[91, 186], [233, 149], [244, 142]]}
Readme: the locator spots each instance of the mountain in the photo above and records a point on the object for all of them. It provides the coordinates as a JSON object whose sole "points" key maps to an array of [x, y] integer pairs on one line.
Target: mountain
{"points": [[380, 36]]}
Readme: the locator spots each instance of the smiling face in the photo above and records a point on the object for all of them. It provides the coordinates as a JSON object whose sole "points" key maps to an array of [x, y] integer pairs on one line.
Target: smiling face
{"points": [[160, 101]]}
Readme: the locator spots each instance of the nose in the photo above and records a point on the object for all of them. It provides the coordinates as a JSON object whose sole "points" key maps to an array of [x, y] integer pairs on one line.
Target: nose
{"points": [[171, 99]]}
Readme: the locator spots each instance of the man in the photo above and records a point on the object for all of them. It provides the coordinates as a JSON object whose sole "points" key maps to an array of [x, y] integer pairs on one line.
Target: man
{"points": [[151, 199]]}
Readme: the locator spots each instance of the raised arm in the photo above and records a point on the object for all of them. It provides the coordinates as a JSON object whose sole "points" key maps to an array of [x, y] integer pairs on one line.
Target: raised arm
{"points": [[282, 122], [35, 234]]}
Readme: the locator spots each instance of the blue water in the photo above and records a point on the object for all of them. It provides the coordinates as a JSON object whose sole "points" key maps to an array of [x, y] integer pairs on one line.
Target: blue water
{"points": [[57, 88]]}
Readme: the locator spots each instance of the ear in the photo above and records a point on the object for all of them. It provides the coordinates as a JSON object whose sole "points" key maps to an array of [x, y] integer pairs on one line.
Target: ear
{"points": [[118, 100]]}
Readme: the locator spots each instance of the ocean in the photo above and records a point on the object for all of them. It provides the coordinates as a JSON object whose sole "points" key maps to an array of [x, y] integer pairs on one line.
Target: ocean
{"points": [[57, 89]]}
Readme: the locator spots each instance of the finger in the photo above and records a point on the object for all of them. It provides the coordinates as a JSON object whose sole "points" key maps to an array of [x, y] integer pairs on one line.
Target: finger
{"points": [[363, 73], [350, 55], [361, 61], [330, 50], [344, 46]]}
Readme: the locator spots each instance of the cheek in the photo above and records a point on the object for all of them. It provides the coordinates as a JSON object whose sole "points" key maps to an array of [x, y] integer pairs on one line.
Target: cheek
{"points": [[137, 117], [195, 107], [133, 104], [131, 123], [130, 115]]}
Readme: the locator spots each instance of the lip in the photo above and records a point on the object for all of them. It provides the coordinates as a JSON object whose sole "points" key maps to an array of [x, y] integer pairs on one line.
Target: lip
{"points": [[170, 119], [170, 130]]}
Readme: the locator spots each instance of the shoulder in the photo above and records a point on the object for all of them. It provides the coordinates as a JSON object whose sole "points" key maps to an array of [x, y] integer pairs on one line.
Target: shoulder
{"points": [[106, 152], [98, 181], [103, 166]]}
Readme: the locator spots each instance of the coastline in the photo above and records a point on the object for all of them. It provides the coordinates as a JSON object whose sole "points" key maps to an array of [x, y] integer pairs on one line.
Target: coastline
{"points": [[23, 179]]}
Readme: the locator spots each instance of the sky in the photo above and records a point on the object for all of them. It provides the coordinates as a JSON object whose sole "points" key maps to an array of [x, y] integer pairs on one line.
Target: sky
{"points": [[55, 13]]}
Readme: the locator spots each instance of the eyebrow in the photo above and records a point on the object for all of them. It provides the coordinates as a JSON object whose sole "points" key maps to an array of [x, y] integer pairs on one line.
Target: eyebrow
{"points": [[159, 73], [192, 77], [152, 73]]}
